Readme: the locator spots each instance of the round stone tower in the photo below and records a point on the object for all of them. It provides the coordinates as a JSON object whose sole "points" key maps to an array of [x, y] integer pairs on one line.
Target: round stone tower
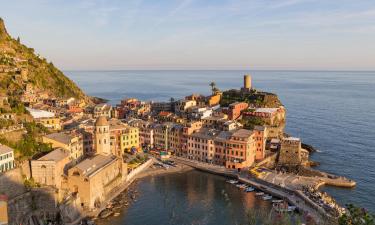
{"points": [[102, 138], [247, 82]]}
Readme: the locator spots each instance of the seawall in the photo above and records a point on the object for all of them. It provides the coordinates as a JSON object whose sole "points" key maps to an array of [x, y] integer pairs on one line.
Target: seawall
{"points": [[297, 198]]}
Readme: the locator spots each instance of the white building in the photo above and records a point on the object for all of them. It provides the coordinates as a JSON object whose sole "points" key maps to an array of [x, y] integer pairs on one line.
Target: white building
{"points": [[6, 158], [37, 113]]}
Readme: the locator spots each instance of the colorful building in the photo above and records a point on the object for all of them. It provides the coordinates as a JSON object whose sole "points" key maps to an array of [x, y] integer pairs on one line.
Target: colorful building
{"points": [[53, 123], [6, 158], [71, 142], [234, 110], [130, 139]]}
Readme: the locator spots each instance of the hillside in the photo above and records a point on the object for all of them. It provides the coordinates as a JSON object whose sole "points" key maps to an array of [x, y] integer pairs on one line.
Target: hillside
{"points": [[21, 67]]}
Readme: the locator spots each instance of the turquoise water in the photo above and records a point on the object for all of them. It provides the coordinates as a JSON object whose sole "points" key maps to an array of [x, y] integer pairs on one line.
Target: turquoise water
{"points": [[333, 111]]}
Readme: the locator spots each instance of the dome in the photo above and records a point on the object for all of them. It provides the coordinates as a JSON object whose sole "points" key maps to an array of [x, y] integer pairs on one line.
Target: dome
{"points": [[101, 121]]}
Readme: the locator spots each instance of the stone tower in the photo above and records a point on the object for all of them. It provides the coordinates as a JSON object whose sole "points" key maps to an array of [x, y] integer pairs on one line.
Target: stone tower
{"points": [[290, 152], [102, 137], [246, 83]]}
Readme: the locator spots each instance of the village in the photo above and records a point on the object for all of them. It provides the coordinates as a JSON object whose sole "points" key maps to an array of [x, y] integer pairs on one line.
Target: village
{"points": [[97, 149]]}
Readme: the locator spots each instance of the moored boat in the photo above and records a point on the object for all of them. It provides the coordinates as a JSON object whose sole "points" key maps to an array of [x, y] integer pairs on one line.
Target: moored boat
{"points": [[282, 207], [249, 189], [259, 193], [267, 197]]}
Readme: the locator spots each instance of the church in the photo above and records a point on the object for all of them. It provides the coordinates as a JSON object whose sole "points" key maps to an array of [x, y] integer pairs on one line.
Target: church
{"points": [[92, 180]]}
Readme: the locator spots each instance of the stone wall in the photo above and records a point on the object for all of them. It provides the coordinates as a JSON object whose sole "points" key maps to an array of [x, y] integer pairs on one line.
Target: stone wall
{"points": [[132, 175], [11, 183], [40, 202]]}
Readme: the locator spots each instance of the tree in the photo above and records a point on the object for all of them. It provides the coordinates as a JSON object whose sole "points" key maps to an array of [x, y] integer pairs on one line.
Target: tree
{"points": [[356, 216], [213, 87]]}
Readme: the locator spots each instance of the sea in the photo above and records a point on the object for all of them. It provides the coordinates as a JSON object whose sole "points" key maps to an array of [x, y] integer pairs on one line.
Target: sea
{"points": [[334, 111]]}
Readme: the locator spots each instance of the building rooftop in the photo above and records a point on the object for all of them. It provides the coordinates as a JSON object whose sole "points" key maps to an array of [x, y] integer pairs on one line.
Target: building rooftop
{"points": [[101, 121], [36, 113], [291, 139], [206, 133], [5, 149], [266, 110], [56, 155], [60, 137], [115, 124], [242, 133], [91, 165]]}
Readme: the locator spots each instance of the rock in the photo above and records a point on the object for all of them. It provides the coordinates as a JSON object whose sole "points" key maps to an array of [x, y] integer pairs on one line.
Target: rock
{"points": [[105, 213]]}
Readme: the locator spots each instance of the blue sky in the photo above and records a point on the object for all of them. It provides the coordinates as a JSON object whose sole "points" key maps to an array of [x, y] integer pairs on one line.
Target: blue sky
{"points": [[197, 34]]}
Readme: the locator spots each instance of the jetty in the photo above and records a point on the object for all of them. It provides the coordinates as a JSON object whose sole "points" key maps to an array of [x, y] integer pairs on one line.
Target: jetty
{"points": [[294, 197]]}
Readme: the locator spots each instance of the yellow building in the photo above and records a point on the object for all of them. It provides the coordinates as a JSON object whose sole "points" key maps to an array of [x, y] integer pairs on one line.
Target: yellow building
{"points": [[3, 209], [130, 139], [53, 123], [72, 143], [213, 100]]}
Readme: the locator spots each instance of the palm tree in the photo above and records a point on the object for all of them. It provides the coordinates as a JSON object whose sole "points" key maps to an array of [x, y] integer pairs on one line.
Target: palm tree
{"points": [[213, 87]]}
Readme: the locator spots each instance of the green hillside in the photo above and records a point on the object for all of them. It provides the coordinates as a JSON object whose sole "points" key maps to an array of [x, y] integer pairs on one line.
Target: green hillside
{"points": [[19, 66]]}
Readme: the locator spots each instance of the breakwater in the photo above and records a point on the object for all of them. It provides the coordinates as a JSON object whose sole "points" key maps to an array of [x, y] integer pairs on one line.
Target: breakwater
{"points": [[294, 197]]}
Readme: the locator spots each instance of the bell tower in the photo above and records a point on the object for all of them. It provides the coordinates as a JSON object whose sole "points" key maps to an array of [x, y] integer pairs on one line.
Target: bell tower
{"points": [[102, 137]]}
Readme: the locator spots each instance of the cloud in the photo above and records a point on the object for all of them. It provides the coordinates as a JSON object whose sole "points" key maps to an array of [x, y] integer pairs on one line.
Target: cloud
{"points": [[173, 12]]}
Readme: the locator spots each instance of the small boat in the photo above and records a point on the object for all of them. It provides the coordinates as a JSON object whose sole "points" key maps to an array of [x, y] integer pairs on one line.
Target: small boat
{"points": [[277, 201], [116, 214], [267, 197], [249, 189], [242, 186], [232, 181], [283, 207], [259, 193]]}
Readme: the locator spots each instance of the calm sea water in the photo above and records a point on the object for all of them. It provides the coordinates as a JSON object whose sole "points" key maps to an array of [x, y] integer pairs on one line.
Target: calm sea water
{"points": [[333, 111], [194, 198]]}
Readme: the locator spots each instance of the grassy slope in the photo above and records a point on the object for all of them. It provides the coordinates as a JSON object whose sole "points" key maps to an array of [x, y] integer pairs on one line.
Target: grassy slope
{"points": [[42, 74]]}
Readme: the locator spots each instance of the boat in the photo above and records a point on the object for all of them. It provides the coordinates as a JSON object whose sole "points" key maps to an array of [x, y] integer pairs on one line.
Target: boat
{"points": [[259, 193], [249, 189], [267, 197], [277, 201], [282, 207], [232, 181], [242, 186], [116, 214]]}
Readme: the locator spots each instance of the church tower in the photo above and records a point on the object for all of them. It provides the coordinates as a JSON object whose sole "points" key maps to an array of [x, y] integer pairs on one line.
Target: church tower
{"points": [[102, 137]]}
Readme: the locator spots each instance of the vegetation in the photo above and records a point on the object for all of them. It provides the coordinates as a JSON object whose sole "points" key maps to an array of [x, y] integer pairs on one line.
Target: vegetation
{"points": [[4, 123], [249, 123], [253, 98], [357, 216], [29, 145], [42, 74]]}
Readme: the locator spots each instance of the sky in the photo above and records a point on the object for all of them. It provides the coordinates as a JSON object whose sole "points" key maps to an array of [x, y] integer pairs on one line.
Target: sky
{"points": [[197, 34]]}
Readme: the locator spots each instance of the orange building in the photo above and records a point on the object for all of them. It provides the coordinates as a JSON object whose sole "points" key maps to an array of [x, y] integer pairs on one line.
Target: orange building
{"points": [[213, 100], [241, 149], [234, 110]]}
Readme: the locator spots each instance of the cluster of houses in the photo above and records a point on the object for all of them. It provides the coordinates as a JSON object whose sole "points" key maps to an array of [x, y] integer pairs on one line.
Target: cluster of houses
{"points": [[90, 144]]}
